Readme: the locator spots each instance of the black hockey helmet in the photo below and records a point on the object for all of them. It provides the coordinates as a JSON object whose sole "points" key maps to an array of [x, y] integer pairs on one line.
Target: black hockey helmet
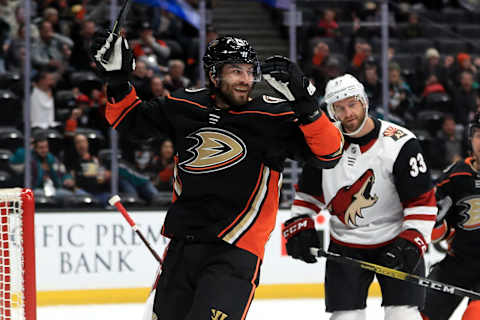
{"points": [[474, 124], [229, 49]]}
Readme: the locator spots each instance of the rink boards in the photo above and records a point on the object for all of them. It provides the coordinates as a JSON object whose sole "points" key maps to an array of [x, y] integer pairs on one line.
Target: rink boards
{"points": [[96, 258]]}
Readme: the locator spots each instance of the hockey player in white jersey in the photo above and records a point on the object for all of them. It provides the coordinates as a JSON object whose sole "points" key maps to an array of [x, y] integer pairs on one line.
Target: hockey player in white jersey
{"points": [[382, 205]]}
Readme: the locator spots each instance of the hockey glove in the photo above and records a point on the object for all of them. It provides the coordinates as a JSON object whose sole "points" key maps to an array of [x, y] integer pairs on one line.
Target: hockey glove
{"points": [[300, 234], [117, 69], [285, 77], [405, 252]]}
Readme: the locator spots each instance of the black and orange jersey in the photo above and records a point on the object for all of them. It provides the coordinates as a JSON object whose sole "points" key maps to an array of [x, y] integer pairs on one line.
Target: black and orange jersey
{"points": [[458, 196], [229, 162]]}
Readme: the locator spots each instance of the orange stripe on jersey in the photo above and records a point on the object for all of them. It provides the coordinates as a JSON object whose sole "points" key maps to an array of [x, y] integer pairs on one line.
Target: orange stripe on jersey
{"points": [[255, 238], [460, 174], [252, 292], [306, 204], [259, 179], [263, 112], [187, 101], [115, 112], [323, 138], [441, 183], [248, 219]]}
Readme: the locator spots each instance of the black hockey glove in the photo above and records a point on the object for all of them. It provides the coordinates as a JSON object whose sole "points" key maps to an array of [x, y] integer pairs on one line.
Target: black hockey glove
{"points": [[300, 234], [285, 77], [117, 69], [405, 252]]}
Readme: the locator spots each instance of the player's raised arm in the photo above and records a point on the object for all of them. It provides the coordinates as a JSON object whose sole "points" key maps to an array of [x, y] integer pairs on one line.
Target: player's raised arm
{"points": [[321, 135], [124, 110]]}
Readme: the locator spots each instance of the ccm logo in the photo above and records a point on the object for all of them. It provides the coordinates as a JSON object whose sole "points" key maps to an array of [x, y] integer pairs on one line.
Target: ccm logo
{"points": [[436, 286], [295, 227]]}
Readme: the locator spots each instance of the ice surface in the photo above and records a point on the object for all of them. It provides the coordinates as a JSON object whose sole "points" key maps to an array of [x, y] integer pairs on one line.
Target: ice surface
{"points": [[281, 309]]}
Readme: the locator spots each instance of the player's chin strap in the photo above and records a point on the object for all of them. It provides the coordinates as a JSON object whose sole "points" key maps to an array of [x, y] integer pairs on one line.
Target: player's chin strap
{"points": [[339, 125], [397, 274]]}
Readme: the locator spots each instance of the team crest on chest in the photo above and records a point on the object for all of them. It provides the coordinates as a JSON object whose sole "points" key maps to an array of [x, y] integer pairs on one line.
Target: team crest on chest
{"points": [[471, 213], [214, 149], [394, 133], [349, 201]]}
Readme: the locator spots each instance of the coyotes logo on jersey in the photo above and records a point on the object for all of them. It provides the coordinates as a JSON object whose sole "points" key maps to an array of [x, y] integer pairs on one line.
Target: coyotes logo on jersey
{"points": [[349, 201]]}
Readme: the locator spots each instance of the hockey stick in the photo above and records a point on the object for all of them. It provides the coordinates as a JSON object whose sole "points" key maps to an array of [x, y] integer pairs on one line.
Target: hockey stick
{"points": [[115, 201], [396, 274], [115, 32]]}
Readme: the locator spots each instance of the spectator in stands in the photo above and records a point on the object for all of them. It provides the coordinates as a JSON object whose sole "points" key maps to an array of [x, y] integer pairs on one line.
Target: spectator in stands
{"points": [[89, 174], [163, 164], [7, 14], [432, 85], [464, 99], [155, 89], [327, 26], [413, 29], [15, 55], [363, 51], [153, 51], [463, 63], [447, 147], [140, 78], [373, 86], [431, 65], [80, 58], [315, 68], [50, 14], [175, 79], [51, 49], [42, 110], [49, 176], [136, 184], [401, 96]]}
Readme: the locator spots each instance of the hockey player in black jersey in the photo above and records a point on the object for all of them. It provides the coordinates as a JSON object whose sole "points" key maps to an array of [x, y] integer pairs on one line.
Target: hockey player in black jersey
{"points": [[382, 209], [231, 148], [458, 196]]}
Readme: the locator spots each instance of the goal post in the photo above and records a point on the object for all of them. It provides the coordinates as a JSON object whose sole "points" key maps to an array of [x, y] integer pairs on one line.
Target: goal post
{"points": [[17, 255]]}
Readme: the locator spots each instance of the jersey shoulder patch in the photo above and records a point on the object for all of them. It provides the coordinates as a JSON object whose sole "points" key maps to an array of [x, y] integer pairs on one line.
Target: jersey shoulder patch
{"points": [[270, 99], [268, 105], [394, 132]]}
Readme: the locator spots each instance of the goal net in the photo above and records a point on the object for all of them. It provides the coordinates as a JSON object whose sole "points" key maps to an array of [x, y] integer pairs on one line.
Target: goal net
{"points": [[17, 255]]}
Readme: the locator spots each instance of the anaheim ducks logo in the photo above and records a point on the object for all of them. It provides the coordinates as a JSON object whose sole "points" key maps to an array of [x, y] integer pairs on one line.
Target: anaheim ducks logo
{"points": [[349, 201], [471, 213], [215, 149]]}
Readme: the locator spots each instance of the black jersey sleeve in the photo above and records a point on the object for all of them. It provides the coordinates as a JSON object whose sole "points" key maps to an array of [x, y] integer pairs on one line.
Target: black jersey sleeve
{"points": [[410, 171], [137, 119]]}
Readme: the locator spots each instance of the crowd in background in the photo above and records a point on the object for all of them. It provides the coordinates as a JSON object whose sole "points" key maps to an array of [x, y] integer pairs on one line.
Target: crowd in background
{"points": [[433, 85]]}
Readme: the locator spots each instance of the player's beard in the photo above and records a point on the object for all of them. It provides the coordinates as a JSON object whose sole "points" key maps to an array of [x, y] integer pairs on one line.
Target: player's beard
{"points": [[229, 95], [353, 123]]}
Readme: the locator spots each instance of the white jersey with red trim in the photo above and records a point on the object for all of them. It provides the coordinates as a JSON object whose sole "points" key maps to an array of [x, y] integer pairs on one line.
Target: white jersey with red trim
{"points": [[380, 187]]}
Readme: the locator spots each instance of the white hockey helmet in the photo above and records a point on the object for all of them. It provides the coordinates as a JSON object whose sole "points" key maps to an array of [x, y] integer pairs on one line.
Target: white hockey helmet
{"points": [[343, 87]]}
